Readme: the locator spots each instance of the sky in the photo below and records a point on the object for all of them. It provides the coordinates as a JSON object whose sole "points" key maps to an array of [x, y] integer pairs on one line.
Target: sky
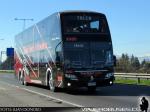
{"points": [[129, 20]]}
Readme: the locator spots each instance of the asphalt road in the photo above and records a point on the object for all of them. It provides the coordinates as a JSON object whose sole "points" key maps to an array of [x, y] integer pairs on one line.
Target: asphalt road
{"points": [[13, 94]]}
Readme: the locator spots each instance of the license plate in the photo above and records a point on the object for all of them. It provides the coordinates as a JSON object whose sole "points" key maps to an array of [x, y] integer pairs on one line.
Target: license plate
{"points": [[92, 84]]}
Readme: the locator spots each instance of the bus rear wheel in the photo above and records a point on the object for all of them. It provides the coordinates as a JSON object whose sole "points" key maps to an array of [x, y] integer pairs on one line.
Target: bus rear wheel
{"points": [[22, 80], [25, 82]]}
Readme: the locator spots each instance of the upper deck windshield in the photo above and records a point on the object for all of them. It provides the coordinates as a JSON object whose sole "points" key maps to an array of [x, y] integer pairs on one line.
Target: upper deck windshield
{"points": [[84, 23]]}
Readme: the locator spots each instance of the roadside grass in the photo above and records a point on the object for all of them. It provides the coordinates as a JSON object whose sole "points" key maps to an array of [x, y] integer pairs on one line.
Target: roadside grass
{"points": [[132, 81], [6, 71]]}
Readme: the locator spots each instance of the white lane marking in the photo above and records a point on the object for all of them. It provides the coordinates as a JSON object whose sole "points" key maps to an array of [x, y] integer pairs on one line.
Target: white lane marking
{"points": [[67, 102]]}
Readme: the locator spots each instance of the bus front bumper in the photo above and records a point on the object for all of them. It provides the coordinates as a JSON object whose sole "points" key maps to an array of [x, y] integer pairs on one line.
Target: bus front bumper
{"points": [[96, 82]]}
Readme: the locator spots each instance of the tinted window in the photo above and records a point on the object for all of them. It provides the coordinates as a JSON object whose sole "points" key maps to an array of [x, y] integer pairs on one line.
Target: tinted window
{"points": [[84, 24]]}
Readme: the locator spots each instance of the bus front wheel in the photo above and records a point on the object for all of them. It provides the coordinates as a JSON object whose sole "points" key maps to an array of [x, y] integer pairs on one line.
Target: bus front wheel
{"points": [[51, 83]]}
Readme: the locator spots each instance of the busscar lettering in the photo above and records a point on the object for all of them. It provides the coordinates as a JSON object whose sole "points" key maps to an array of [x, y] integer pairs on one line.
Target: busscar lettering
{"points": [[36, 47]]}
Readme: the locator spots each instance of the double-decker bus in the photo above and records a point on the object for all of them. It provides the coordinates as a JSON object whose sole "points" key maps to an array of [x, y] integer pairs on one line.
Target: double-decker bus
{"points": [[69, 49]]}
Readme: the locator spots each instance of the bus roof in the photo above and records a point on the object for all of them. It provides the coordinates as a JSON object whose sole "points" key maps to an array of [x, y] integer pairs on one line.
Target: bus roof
{"points": [[64, 12], [79, 11]]}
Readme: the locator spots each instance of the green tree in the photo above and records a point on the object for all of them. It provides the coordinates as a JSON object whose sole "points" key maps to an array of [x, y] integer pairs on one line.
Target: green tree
{"points": [[143, 63], [135, 64], [127, 64], [8, 63], [147, 67], [123, 64]]}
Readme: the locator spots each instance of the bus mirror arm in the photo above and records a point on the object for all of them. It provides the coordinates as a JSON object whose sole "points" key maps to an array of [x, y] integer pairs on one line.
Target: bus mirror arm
{"points": [[57, 60], [115, 60], [57, 46], [57, 56]]}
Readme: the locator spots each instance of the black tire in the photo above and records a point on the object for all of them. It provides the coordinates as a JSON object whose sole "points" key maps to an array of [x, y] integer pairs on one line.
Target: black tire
{"points": [[21, 79], [18, 76], [92, 89], [25, 82], [51, 83]]}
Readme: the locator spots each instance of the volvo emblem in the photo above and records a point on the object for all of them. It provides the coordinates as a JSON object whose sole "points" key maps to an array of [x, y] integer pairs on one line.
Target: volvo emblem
{"points": [[92, 78]]}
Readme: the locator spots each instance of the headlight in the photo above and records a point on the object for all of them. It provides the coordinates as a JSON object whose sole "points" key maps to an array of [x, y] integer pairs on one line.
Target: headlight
{"points": [[109, 57], [71, 76], [108, 75]]}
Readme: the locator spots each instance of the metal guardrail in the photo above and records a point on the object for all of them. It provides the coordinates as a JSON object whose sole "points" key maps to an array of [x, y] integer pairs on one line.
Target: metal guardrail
{"points": [[137, 76]]}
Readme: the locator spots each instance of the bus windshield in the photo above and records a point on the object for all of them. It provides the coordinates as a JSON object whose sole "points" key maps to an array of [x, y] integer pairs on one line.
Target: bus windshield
{"points": [[84, 24], [85, 54]]}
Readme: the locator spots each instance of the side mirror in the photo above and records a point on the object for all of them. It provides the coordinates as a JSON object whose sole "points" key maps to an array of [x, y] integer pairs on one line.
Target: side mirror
{"points": [[57, 60], [115, 60]]}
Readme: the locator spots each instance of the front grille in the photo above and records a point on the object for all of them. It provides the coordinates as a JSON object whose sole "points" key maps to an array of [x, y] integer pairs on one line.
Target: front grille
{"points": [[86, 76]]}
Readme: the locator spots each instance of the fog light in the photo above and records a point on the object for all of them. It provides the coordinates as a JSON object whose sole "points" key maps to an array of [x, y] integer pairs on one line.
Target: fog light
{"points": [[110, 82], [69, 84]]}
